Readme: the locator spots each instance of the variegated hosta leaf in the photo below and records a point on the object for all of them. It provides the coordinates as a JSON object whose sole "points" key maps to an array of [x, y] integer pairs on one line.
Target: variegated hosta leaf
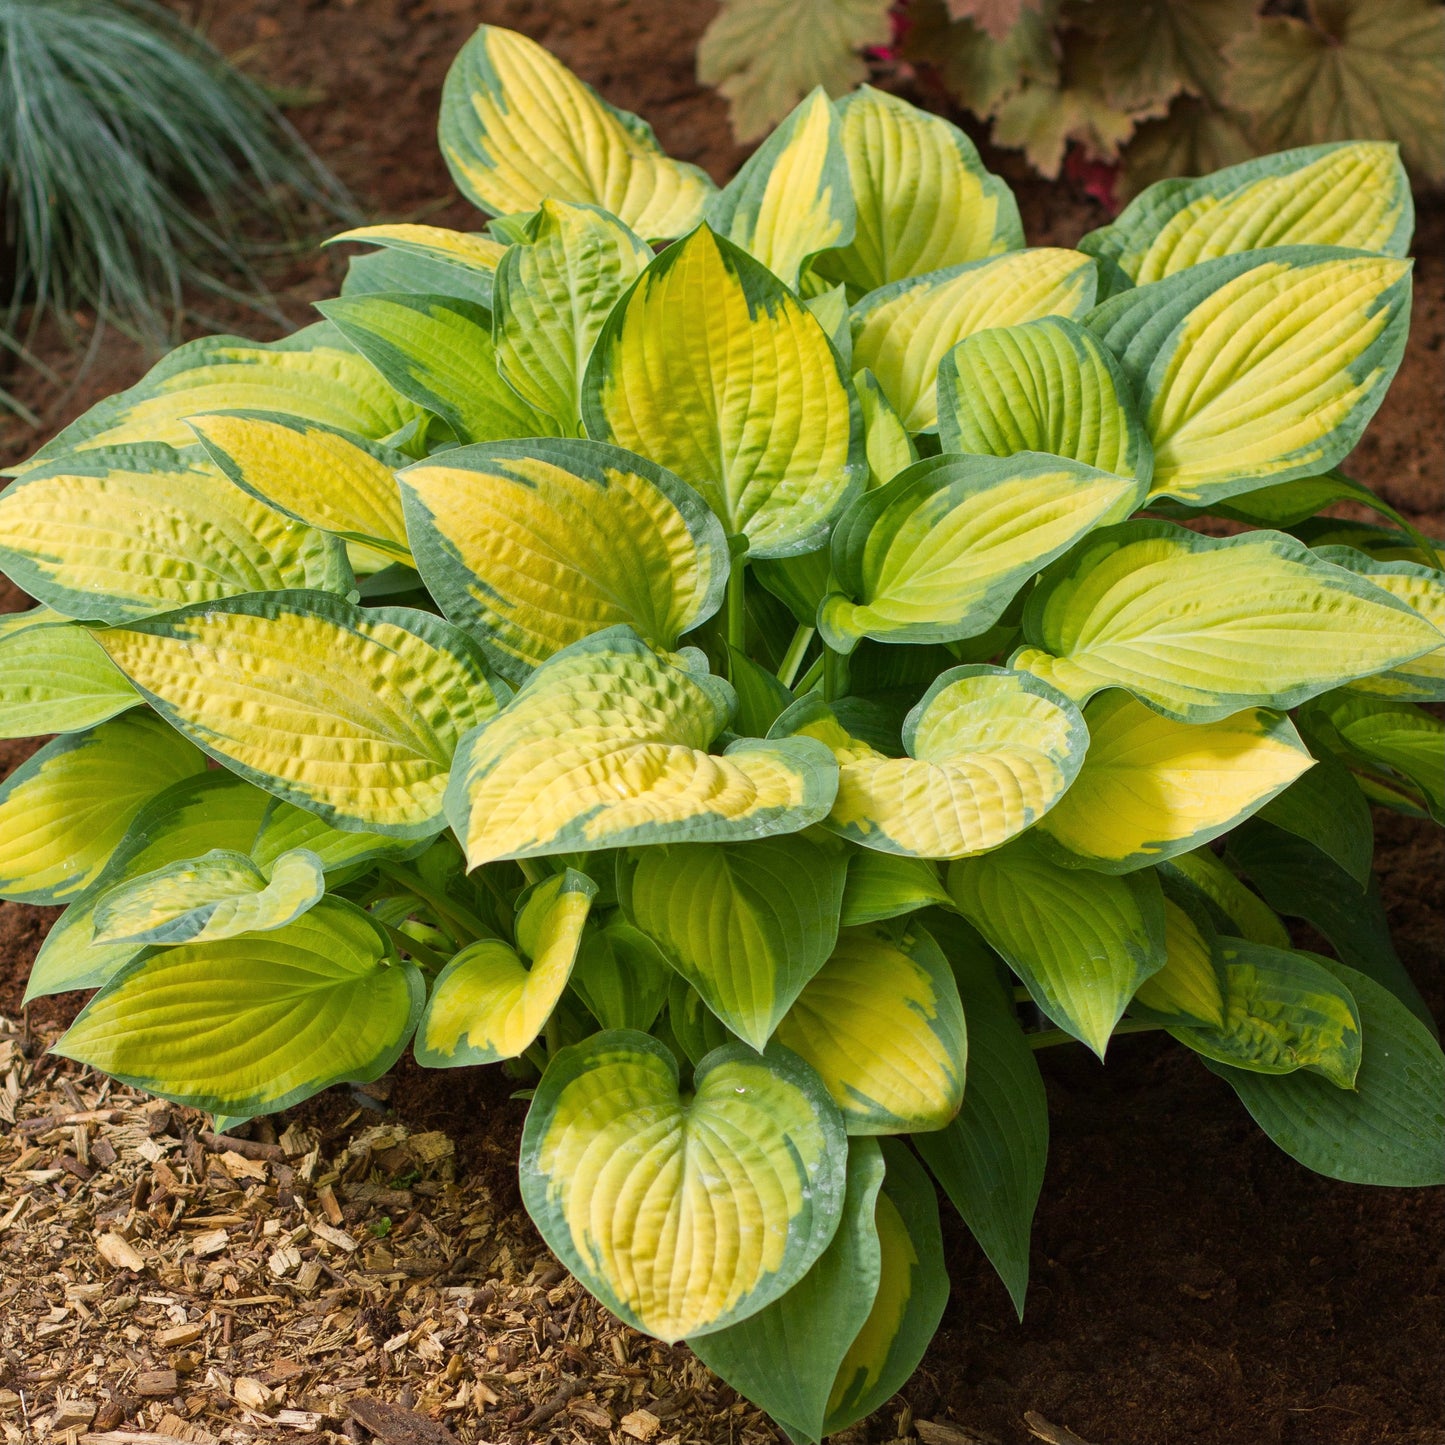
{"points": [[938, 553], [1045, 386], [1237, 910], [712, 368], [218, 895], [1202, 627], [746, 924], [882, 1024], [1397, 736], [1422, 588], [438, 350], [1082, 942], [127, 532], [517, 128], [785, 1358], [486, 1003], [287, 828], [890, 449], [1352, 193], [621, 976], [1189, 988], [1257, 368], [888, 885], [924, 200], [251, 1025], [1152, 787], [212, 809], [1282, 1012], [682, 1213], [902, 331], [466, 259], [64, 810], [55, 677], [352, 713], [313, 373], [605, 746], [532, 546], [792, 198], [989, 752], [694, 1029], [553, 294], [314, 473]]}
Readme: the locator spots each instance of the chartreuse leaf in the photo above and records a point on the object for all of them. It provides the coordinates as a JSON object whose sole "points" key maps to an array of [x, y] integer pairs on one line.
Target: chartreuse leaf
{"points": [[553, 294], [64, 810], [1282, 1011], [912, 1291], [1325, 807], [990, 1159], [1388, 1128], [746, 924], [212, 809], [313, 373], [712, 368], [924, 200], [218, 895], [1082, 942], [1152, 787], [517, 127], [486, 1004], [55, 677], [786, 1357], [882, 1024], [352, 713], [1189, 989], [251, 1025], [1201, 627], [438, 350], [1257, 368], [890, 449], [605, 746], [1234, 907], [127, 532], [287, 829], [1046, 386], [1422, 588], [467, 259], [532, 546], [989, 752], [888, 885], [621, 976], [314, 473], [1354, 194], [792, 197], [682, 1212], [1398, 736], [938, 553], [902, 331]]}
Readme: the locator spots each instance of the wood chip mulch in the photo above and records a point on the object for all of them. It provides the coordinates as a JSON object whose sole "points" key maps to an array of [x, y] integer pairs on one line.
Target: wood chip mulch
{"points": [[162, 1283]]}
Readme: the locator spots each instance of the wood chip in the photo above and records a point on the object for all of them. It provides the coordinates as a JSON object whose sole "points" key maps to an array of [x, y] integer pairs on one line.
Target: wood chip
{"points": [[1051, 1434], [212, 1241], [178, 1335], [252, 1394], [338, 1238], [640, 1424], [72, 1414], [157, 1383], [398, 1426], [933, 1432], [119, 1253]]}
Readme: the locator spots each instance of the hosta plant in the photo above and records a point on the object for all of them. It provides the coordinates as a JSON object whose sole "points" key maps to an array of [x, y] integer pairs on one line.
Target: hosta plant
{"points": [[738, 659]]}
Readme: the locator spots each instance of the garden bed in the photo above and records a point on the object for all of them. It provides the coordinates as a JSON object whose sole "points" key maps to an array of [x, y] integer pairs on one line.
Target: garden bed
{"points": [[1190, 1283]]}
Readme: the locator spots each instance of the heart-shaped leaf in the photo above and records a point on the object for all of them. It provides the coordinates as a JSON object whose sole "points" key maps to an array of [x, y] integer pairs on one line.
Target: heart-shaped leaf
{"points": [[938, 554], [247, 1026], [605, 746], [682, 1212], [988, 754], [1201, 627], [882, 1024], [712, 368], [888, 885], [1152, 787], [1189, 989], [1397, 736], [532, 546], [486, 1004], [55, 677], [463, 262], [747, 924], [353, 713], [621, 976]]}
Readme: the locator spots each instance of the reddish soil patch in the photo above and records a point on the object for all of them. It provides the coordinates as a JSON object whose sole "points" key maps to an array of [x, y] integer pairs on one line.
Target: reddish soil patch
{"points": [[1190, 1283]]}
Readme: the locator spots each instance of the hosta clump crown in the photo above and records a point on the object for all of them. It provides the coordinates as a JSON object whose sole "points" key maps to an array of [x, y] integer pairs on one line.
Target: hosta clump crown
{"points": [[737, 655]]}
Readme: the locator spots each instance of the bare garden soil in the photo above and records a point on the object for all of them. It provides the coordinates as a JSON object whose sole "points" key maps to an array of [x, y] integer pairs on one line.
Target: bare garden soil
{"points": [[1190, 1282]]}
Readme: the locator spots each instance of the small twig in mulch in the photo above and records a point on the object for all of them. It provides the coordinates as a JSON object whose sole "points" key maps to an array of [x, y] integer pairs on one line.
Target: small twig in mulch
{"points": [[1051, 1434]]}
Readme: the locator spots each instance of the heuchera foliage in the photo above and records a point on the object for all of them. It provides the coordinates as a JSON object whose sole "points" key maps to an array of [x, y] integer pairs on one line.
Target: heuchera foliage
{"points": [[734, 655]]}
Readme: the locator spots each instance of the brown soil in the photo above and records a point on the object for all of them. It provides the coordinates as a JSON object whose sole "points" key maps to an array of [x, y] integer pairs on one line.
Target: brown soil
{"points": [[1190, 1283]]}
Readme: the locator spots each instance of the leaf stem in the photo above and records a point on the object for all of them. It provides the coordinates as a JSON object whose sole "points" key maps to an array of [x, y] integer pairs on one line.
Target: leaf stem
{"points": [[1049, 1038], [419, 952], [793, 658], [464, 924], [532, 871], [810, 678], [553, 1034], [737, 612], [835, 675]]}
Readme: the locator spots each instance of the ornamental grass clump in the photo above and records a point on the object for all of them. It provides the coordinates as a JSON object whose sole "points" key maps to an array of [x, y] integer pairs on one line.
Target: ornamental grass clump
{"points": [[760, 690]]}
